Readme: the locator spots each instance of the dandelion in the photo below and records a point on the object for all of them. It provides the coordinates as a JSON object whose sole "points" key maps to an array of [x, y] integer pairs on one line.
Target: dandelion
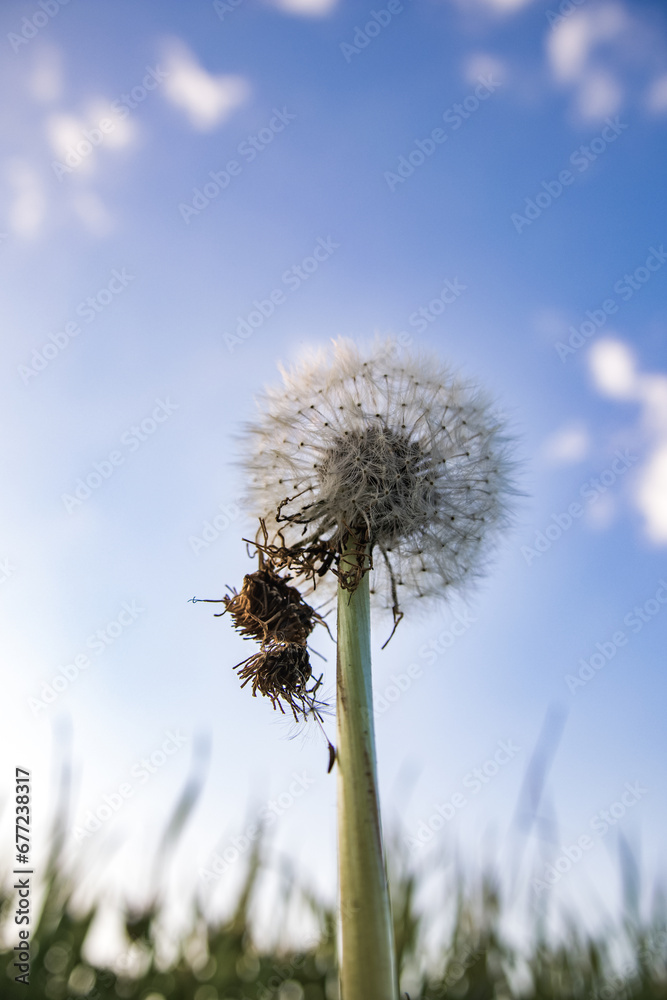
{"points": [[397, 453], [392, 477]]}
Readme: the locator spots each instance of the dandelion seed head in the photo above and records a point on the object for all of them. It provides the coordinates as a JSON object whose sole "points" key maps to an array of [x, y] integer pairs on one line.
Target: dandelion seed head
{"points": [[393, 448]]}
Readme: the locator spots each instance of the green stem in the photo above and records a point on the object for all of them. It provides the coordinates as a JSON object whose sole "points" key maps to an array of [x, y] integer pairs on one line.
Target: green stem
{"points": [[367, 964]]}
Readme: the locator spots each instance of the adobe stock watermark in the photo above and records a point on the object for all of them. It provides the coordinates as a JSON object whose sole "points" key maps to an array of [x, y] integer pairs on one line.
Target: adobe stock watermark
{"points": [[97, 642], [626, 981], [474, 781], [605, 651], [626, 287], [591, 491], [222, 7], [601, 823], [142, 772], [428, 651], [31, 26], [581, 158], [458, 968], [455, 970], [421, 318], [291, 279], [220, 863], [131, 440], [454, 117], [88, 310], [77, 152], [565, 8], [249, 150], [211, 530], [282, 974], [6, 570], [364, 34]]}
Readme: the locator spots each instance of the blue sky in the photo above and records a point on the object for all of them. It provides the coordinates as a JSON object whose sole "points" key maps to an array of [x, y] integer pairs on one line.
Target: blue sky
{"points": [[482, 179]]}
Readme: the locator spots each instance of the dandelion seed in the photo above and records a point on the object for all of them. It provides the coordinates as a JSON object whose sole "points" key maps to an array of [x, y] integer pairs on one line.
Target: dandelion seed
{"points": [[400, 454]]}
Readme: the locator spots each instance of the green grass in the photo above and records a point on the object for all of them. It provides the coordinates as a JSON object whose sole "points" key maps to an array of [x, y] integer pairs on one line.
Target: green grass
{"points": [[475, 962]]}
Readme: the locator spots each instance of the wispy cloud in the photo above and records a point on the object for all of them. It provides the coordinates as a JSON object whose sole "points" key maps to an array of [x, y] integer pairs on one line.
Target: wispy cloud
{"points": [[495, 6], [305, 8], [27, 209], [613, 368], [482, 64], [615, 374], [600, 51], [92, 212], [45, 81], [568, 444], [572, 50], [206, 99], [656, 98]]}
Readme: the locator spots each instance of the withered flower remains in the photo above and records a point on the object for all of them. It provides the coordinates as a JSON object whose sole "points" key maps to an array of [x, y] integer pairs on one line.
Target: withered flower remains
{"points": [[274, 613]]}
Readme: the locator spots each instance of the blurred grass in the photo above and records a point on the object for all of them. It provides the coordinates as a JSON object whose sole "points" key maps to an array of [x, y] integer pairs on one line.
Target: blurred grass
{"points": [[221, 960]]}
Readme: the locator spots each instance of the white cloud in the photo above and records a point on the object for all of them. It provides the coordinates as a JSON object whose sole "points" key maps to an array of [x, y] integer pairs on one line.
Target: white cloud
{"points": [[497, 6], [614, 370], [79, 145], [207, 100], [601, 514], [92, 212], [305, 8], [654, 395], [656, 99], [45, 81], [652, 495], [568, 47], [63, 131], [599, 51], [125, 130], [483, 64], [568, 444], [66, 131], [28, 207], [600, 95], [573, 51]]}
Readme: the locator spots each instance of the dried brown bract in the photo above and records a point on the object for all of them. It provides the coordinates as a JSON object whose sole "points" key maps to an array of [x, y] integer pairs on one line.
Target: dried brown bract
{"points": [[281, 671], [306, 559], [311, 559], [268, 608], [271, 611]]}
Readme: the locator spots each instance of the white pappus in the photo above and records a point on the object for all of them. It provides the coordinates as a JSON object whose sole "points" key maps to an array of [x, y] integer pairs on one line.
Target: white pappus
{"points": [[395, 449]]}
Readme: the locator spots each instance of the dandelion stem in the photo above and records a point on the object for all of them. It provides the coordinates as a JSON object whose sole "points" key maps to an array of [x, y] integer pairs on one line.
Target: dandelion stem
{"points": [[367, 967]]}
